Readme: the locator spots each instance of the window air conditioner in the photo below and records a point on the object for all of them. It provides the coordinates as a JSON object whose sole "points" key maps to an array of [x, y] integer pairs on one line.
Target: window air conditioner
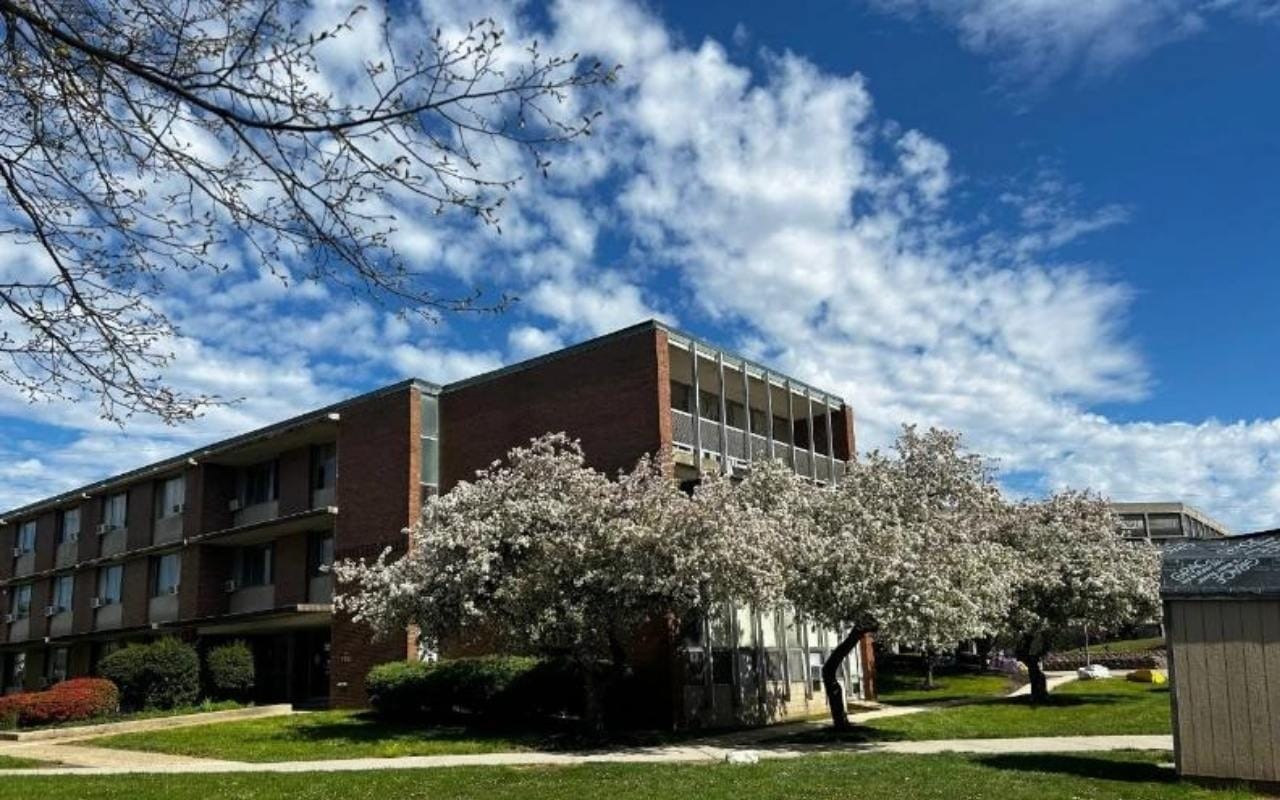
{"points": [[173, 589], [104, 528], [49, 611], [17, 552], [73, 538], [177, 509], [234, 505], [229, 586], [95, 602], [9, 618]]}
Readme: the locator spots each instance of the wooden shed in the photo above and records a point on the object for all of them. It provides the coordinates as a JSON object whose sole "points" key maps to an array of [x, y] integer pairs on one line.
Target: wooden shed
{"points": [[1222, 620]]}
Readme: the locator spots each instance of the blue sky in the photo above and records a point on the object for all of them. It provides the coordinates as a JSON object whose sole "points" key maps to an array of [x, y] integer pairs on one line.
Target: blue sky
{"points": [[1049, 228]]}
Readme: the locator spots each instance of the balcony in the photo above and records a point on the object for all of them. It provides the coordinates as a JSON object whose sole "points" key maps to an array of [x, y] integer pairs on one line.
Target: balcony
{"points": [[256, 513], [736, 447], [20, 630], [320, 589], [167, 529], [111, 540], [65, 555], [24, 562], [108, 617], [252, 598], [60, 623], [163, 607]]}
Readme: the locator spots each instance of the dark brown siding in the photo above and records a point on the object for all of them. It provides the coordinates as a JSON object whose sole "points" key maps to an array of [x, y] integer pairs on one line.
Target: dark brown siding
{"points": [[294, 474], [46, 533], [8, 533], [291, 569], [610, 396], [135, 589]]}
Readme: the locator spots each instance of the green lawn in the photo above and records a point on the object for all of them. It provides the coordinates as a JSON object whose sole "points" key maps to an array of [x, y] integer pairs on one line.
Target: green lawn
{"points": [[315, 735], [907, 689], [1079, 708], [11, 762], [1135, 776]]}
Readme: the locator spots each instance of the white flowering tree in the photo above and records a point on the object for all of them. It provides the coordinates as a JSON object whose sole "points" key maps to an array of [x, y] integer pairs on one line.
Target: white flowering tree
{"points": [[543, 554], [1073, 569], [903, 547]]}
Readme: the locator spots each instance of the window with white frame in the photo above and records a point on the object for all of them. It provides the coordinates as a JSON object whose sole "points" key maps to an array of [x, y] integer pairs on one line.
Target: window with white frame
{"points": [[429, 429], [171, 497], [115, 511], [166, 573], [109, 584], [26, 542], [63, 592], [20, 601]]}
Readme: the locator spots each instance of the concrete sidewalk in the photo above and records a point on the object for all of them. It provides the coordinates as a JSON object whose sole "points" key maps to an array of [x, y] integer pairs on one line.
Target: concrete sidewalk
{"points": [[101, 761]]}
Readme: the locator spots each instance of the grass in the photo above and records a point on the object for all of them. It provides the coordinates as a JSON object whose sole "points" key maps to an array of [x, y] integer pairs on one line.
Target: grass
{"points": [[316, 735], [1136, 776], [12, 762], [907, 688]]}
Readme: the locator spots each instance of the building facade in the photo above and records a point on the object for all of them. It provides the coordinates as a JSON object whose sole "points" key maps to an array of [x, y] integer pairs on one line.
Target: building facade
{"points": [[1167, 522], [231, 541]]}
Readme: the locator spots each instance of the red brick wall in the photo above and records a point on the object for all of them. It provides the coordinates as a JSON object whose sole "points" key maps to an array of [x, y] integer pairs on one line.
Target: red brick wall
{"points": [[46, 534], [846, 442], [610, 396], [38, 624], [86, 586], [142, 515], [867, 647], [90, 515], [204, 568], [377, 496], [217, 488], [291, 569], [294, 472], [135, 589], [8, 535]]}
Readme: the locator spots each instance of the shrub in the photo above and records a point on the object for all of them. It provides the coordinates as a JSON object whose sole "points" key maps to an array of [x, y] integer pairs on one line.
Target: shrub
{"points": [[1150, 659], [508, 687], [162, 674], [229, 671], [69, 701]]}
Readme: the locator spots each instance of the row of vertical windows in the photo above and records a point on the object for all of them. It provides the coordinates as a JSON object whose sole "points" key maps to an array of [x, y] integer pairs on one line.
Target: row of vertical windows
{"points": [[166, 573], [735, 416]]}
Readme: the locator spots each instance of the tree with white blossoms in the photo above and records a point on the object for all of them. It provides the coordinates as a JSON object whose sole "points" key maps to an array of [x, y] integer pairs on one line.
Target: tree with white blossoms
{"points": [[903, 547], [1073, 569], [543, 554]]}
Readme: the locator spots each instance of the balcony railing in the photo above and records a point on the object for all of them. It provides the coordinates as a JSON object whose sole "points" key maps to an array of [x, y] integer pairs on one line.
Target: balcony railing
{"points": [[736, 446]]}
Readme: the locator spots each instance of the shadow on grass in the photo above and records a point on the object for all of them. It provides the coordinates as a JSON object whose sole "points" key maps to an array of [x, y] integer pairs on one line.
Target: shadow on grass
{"points": [[1110, 769], [816, 737]]}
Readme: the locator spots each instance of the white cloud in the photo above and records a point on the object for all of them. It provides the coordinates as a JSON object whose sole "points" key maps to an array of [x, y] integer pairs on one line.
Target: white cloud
{"points": [[1038, 41]]}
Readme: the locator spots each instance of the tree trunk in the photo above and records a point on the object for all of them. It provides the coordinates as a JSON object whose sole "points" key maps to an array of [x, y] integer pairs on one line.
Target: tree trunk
{"points": [[928, 670], [1035, 673], [830, 669]]}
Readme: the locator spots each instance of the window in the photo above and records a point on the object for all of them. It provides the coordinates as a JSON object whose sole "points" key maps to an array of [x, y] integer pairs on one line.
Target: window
{"points": [[109, 579], [56, 665], [26, 537], [710, 405], [429, 473], [682, 397], [255, 565], [324, 466], [115, 511], [166, 573], [69, 525], [15, 671], [319, 553], [171, 497], [781, 430], [258, 484], [759, 426], [63, 589], [20, 601]]}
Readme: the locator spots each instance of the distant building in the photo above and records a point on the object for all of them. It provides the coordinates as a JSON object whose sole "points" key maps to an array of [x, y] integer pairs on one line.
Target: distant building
{"points": [[1163, 522]]}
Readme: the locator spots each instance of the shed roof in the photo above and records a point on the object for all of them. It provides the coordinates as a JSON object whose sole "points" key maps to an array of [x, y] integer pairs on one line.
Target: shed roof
{"points": [[1234, 566]]}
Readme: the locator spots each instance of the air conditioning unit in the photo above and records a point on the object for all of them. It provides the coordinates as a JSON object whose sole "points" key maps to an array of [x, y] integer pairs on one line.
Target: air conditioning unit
{"points": [[72, 538], [9, 618], [177, 509], [234, 505], [104, 528], [173, 589], [95, 602], [50, 611], [230, 586], [17, 552]]}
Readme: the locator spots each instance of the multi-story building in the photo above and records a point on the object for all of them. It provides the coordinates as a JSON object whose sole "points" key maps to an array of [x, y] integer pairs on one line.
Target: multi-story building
{"points": [[231, 540], [1165, 522]]}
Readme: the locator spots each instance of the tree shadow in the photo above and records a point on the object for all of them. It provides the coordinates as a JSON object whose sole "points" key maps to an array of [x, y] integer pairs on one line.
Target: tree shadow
{"points": [[1082, 766]]}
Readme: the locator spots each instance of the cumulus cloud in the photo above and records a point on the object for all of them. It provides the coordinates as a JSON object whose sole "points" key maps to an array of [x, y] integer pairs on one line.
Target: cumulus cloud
{"points": [[764, 209]]}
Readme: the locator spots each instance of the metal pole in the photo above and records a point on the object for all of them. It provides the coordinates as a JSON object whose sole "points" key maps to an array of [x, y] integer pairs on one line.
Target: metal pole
{"points": [[697, 408], [813, 453], [746, 404], [724, 431], [768, 401], [831, 443], [791, 420]]}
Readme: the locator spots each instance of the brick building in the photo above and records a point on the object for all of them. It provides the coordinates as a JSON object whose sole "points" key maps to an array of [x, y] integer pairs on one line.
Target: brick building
{"points": [[229, 541]]}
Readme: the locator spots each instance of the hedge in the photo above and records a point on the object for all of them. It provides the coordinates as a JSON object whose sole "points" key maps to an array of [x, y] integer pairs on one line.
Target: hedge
{"points": [[229, 671], [1150, 659], [69, 701], [506, 687], [162, 674]]}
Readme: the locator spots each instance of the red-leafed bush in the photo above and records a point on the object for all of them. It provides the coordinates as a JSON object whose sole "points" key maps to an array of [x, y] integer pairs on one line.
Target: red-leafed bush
{"points": [[70, 701]]}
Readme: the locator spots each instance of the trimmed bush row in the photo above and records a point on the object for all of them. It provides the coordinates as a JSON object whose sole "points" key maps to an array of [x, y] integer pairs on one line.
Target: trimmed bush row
{"points": [[69, 701], [506, 687], [1151, 659]]}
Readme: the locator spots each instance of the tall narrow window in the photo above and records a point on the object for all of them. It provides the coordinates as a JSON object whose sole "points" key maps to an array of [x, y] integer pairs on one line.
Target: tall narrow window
{"points": [[56, 665], [109, 582], [171, 497], [69, 525], [255, 565], [115, 511], [319, 553], [682, 397], [166, 572], [429, 473], [26, 537], [324, 466], [20, 601], [63, 588]]}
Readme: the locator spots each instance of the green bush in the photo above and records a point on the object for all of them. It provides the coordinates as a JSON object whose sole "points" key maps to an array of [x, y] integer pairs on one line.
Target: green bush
{"points": [[229, 671], [506, 687], [163, 674]]}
